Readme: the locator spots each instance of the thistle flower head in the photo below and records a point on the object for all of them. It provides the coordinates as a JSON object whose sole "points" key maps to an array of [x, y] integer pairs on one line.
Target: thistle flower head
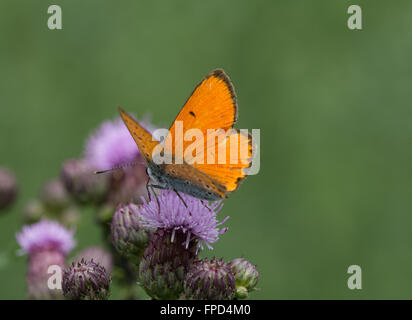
{"points": [[111, 145], [46, 235], [164, 265], [38, 274], [127, 185], [130, 236], [8, 187], [81, 182], [210, 280], [246, 276], [86, 280], [54, 195], [196, 220], [98, 255]]}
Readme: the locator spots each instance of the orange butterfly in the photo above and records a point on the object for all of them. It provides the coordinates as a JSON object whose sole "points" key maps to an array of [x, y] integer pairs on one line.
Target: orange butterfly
{"points": [[212, 105]]}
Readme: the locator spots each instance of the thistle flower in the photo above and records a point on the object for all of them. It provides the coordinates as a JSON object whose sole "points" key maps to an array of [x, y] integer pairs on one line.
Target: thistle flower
{"points": [[81, 182], [47, 243], [246, 276], [86, 280], [38, 274], [129, 235], [128, 185], [165, 263], [196, 221], [8, 187], [98, 255], [210, 280], [46, 235], [54, 195], [111, 145]]}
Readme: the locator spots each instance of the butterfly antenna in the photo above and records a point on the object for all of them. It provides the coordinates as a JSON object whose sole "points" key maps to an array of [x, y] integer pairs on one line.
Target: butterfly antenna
{"points": [[130, 164]]}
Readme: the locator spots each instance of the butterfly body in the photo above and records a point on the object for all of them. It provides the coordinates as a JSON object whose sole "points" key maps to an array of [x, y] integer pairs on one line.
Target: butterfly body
{"points": [[211, 106]]}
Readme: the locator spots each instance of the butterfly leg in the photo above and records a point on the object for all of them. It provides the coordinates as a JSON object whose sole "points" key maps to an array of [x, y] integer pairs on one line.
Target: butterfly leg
{"points": [[152, 187], [202, 202], [184, 202], [147, 189]]}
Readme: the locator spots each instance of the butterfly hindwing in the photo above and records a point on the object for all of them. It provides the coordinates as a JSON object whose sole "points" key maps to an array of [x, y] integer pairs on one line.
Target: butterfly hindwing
{"points": [[195, 179], [230, 169]]}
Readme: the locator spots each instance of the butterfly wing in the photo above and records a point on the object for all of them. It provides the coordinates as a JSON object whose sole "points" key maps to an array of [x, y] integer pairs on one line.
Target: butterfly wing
{"points": [[197, 179], [212, 105], [231, 168], [143, 138]]}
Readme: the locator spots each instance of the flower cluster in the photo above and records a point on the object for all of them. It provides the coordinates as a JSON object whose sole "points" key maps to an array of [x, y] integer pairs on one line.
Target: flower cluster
{"points": [[154, 244]]}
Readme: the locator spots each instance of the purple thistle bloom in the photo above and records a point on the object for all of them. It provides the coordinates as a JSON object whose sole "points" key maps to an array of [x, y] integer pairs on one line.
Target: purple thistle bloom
{"points": [[46, 235], [196, 221], [111, 145]]}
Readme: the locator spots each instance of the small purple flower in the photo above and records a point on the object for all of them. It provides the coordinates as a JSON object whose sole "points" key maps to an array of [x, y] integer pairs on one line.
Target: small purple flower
{"points": [[46, 235], [196, 221], [47, 243], [111, 145]]}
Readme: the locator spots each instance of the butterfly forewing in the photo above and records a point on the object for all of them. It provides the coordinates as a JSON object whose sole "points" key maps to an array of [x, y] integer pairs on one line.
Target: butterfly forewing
{"points": [[211, 107], [143, 138]]}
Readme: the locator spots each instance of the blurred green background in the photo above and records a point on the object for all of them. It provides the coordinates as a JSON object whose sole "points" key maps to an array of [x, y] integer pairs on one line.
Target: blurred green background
{"points": [[333, 106]]}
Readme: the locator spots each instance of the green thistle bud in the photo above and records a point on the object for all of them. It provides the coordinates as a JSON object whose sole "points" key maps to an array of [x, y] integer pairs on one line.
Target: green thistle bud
{"points": [[210, 280], [130, 237], [86, 280], [246, 276], [165, 263]]}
